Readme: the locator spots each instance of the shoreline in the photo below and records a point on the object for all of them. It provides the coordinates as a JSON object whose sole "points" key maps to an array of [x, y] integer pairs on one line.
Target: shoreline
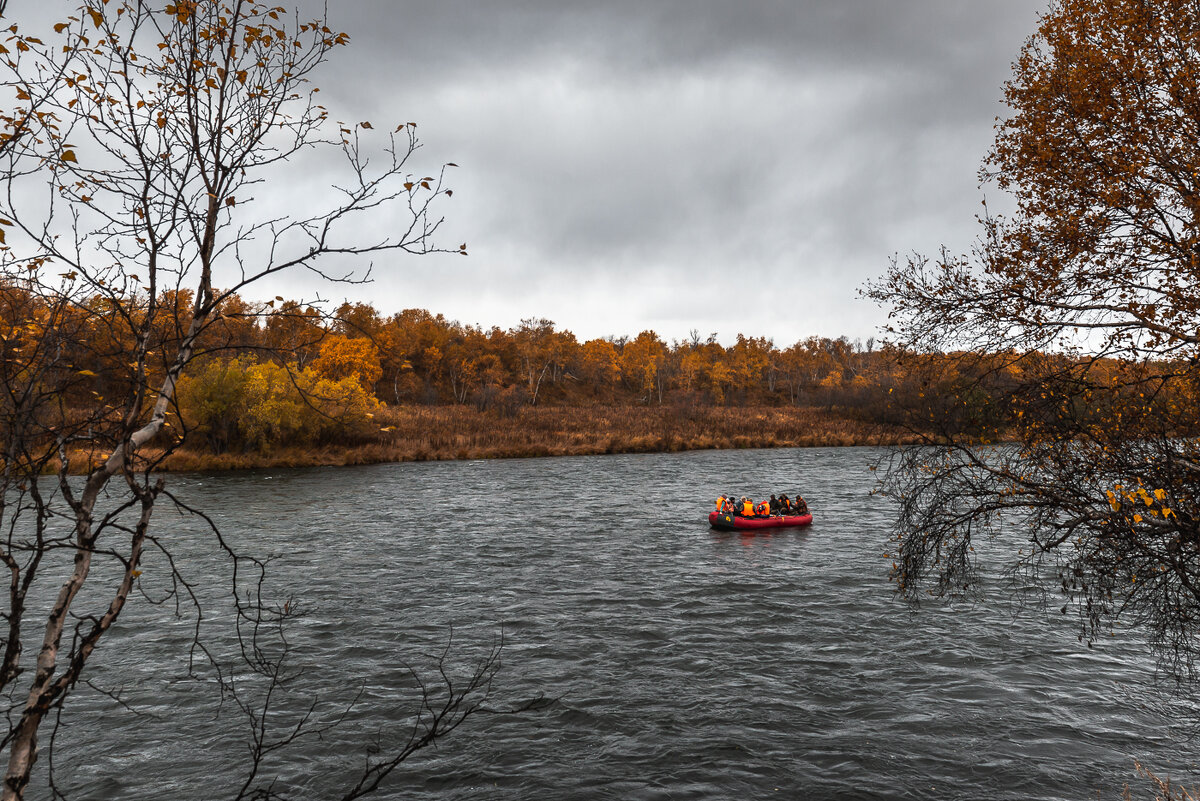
{"points": [[190, 461], [420, 433]]}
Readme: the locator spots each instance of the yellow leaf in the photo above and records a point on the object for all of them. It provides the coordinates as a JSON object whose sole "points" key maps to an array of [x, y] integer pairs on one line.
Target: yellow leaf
{"points": [[87, 373], [69, 155]]}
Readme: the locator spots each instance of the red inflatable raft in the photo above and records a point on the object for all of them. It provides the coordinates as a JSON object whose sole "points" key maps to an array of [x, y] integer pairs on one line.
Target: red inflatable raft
{"points": [[727, 522]]}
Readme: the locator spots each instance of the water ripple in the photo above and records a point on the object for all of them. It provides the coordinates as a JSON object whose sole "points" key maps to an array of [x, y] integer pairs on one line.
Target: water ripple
{"points": [[691, 664]]}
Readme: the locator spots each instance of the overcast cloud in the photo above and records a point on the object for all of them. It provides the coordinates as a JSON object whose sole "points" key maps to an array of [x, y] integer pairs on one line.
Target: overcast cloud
{"points": [[680, 164]]}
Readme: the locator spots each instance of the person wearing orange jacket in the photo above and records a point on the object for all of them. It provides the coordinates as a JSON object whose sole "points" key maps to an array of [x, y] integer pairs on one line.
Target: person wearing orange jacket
{"points": [[747, 509]]}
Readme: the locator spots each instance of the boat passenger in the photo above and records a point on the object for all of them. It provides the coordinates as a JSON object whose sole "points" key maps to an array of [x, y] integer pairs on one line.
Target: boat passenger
{"points": [[800, 506], [747, 509], [774, 504], [762, 509], [785, 505]]}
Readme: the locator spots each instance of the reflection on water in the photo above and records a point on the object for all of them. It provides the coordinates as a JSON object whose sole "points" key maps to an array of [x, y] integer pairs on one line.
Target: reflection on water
{"points": [[690, 663]]}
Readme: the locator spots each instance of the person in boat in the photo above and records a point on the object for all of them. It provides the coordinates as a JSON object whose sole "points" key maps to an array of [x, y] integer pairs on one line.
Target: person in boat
{"points": [[747, 507], [774, 505], [721, 501], [762, 509], [799, 507]]}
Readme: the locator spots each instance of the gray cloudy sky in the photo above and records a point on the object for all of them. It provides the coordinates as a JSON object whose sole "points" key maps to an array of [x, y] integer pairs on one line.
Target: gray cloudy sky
{"points": [[680, 164], [677, 164]]}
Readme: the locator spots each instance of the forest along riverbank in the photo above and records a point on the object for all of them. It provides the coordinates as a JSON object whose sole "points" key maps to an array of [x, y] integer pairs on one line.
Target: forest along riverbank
{"points": [[438, 433]]}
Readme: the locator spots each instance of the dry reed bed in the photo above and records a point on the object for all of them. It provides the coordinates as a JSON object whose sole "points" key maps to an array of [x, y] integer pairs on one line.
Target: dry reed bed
{"points": [[422, 433]]}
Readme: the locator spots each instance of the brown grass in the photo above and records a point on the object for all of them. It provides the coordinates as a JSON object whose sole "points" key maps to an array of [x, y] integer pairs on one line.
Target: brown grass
{"points": [[427, 433], [1164, 789]]}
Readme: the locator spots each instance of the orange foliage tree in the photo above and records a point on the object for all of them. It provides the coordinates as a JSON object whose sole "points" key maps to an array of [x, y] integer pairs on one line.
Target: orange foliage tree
{"points": [[1074, 329], [641, 365], [343, 357]]}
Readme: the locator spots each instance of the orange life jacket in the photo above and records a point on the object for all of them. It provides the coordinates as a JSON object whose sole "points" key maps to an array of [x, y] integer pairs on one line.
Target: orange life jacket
{"points": [[748, 509], [762, 509]]}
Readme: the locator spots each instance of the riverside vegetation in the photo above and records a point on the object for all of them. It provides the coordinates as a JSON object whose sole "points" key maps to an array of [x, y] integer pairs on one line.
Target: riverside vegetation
{"points": [[284, 384]]}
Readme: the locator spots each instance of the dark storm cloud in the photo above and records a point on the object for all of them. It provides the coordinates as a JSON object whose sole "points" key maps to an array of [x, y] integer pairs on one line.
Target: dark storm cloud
{"points": [[680, 34]]}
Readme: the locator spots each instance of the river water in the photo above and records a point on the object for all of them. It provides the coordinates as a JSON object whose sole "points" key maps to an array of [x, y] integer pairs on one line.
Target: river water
{"points": [[685, 663]]}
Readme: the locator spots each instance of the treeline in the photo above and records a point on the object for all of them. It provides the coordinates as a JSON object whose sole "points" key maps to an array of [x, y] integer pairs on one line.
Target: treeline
{"points": [[284, 374], [424, 358], [289, 374]]}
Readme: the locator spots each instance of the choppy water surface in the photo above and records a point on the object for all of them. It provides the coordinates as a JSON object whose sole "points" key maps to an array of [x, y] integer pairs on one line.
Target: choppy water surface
{"points": [[690, 664]]}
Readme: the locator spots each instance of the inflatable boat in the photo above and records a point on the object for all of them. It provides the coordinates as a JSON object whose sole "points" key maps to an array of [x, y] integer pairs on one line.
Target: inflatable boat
{"points": [[728, 522]]}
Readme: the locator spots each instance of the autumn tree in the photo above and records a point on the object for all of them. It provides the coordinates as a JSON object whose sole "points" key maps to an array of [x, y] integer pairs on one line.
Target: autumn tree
{"points": [[599, 364], [134, 136], [641, 361], [294, 329], [349, 357], [1080, 312], [535, 343]]}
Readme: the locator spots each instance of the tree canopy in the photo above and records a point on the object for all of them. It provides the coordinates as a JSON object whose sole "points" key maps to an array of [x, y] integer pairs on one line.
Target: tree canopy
{"points": [[1081, 311]]}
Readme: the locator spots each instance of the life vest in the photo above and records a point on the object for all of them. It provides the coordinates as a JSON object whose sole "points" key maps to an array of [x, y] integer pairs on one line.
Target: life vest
{"points": [[762, 509], [748, 509], [720, 504]]}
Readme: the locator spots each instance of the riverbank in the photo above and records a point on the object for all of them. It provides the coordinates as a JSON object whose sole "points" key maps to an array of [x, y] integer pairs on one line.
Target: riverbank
{"points": [[436, 433]]}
